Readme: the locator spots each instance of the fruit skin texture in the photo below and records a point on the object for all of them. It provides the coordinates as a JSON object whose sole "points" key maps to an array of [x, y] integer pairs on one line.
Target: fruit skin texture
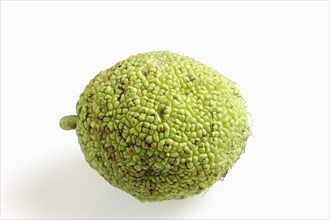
{"points": [[161, 126]]}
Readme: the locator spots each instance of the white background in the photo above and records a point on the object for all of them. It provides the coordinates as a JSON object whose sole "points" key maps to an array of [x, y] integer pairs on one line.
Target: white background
{"points": [[277, 53]]}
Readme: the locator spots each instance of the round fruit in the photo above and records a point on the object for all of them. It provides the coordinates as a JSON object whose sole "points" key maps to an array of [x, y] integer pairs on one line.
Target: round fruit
{"points": [[160, 125]]}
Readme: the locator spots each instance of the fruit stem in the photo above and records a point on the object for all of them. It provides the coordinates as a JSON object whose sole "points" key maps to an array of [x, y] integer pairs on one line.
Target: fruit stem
{"points": [[69, 122]]}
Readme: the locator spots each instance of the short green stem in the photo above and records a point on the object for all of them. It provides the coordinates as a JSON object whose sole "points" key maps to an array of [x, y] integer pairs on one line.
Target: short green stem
{"points": [[69, 122]]}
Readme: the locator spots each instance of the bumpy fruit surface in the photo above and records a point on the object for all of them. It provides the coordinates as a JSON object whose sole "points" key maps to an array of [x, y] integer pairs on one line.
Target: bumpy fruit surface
{"points": [[160, 125]]}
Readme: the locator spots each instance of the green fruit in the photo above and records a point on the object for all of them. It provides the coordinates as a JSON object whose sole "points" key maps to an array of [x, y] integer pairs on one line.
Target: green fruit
{"points": [[160, 125]]}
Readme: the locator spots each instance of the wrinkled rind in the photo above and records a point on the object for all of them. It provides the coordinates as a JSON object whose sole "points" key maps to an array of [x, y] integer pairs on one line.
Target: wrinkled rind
{"points": [[161, 126]]}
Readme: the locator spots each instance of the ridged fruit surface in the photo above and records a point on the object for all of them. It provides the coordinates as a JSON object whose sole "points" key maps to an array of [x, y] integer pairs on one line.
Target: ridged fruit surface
{"points": [[161, 126]]}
